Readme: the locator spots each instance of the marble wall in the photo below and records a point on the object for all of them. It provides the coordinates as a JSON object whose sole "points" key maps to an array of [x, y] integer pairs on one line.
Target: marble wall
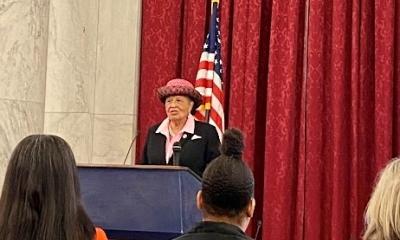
{"points": [[23, 57], [70, 68], [116, 88], [92, 76]]}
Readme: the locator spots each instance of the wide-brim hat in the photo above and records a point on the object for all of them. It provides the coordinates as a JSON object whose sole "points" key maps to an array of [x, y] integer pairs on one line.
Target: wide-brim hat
{"points": [[180, 86]]}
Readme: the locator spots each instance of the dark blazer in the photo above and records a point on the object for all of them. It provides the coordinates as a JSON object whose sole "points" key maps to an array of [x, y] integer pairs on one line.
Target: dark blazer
{"points": [[195, 154]]}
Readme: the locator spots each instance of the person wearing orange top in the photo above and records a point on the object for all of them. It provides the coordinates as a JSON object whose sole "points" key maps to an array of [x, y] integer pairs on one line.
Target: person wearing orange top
{"points": [[41, 197], [100, 234]]}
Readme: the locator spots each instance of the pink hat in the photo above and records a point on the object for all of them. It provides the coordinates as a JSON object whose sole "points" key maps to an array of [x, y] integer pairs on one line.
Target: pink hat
{"points": [[180, 86]]}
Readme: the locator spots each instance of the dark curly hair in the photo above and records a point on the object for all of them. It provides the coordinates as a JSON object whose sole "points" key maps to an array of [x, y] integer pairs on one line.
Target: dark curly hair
{"points": [[228, 183]]}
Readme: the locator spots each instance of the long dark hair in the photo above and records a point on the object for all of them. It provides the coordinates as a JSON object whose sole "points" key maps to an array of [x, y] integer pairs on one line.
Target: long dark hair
{"points": [[41, 196], [228, 183]]}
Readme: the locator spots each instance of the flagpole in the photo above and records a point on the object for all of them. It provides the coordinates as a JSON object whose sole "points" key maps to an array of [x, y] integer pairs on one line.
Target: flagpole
{"points": [[207, 115], [207, 110]]}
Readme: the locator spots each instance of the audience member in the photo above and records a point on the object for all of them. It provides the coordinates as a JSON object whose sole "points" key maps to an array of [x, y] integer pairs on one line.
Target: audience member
{"points": [[41, 197], [226, 196], [383, 210]]}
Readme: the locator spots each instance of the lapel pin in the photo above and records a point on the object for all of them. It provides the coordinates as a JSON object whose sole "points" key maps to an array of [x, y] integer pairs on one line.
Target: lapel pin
{"points": [[184, 136]]}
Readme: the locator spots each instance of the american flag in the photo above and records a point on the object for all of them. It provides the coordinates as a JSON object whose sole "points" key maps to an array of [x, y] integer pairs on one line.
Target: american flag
{"points": [[209, 76]]}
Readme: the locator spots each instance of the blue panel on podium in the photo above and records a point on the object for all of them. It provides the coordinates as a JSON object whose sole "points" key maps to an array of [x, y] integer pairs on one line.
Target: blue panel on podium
{"points": [[143, 202]]}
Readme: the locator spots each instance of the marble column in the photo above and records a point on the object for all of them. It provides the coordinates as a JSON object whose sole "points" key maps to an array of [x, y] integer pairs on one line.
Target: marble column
{"points": [[117, 78], [92, 77], [70, 68], [71, 73], [23, 57]]}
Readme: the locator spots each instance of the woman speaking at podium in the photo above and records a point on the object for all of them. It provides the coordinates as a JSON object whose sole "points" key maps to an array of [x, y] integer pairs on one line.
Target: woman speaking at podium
{"points": [[197, 143]]}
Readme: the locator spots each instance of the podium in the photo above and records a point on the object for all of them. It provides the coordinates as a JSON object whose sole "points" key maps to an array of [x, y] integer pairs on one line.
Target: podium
{"points": [[140, 202]]}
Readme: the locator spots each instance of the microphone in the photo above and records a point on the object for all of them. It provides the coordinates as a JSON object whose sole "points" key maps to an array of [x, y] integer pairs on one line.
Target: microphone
{"points": [[258, 229], [130, 147], [176, 148]]}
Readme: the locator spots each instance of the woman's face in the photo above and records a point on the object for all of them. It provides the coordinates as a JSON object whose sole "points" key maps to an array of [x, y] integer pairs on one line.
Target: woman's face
{"points": [[178, 107]]}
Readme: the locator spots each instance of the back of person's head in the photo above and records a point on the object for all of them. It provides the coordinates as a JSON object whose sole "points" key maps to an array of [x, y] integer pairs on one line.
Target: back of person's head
{"points": [[41, 197], [383, 210], [228, 183]]}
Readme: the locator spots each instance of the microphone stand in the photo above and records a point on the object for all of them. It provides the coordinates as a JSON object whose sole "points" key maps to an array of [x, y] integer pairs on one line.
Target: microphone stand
{"points": [[130, 147], [258, 229], [176, 148]]}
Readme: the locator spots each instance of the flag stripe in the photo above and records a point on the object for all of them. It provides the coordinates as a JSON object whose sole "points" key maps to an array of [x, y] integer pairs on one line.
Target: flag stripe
{"points": [[204, 82], [202, 73], [205, 65], [217, 119]]}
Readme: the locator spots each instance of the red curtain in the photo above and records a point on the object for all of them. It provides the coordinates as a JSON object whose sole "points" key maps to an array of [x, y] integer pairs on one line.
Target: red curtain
{"points": [[314, 85]]}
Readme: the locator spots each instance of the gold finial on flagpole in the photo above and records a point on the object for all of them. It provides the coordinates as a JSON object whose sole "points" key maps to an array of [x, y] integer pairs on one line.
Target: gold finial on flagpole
{"points": [[212, 3]]}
